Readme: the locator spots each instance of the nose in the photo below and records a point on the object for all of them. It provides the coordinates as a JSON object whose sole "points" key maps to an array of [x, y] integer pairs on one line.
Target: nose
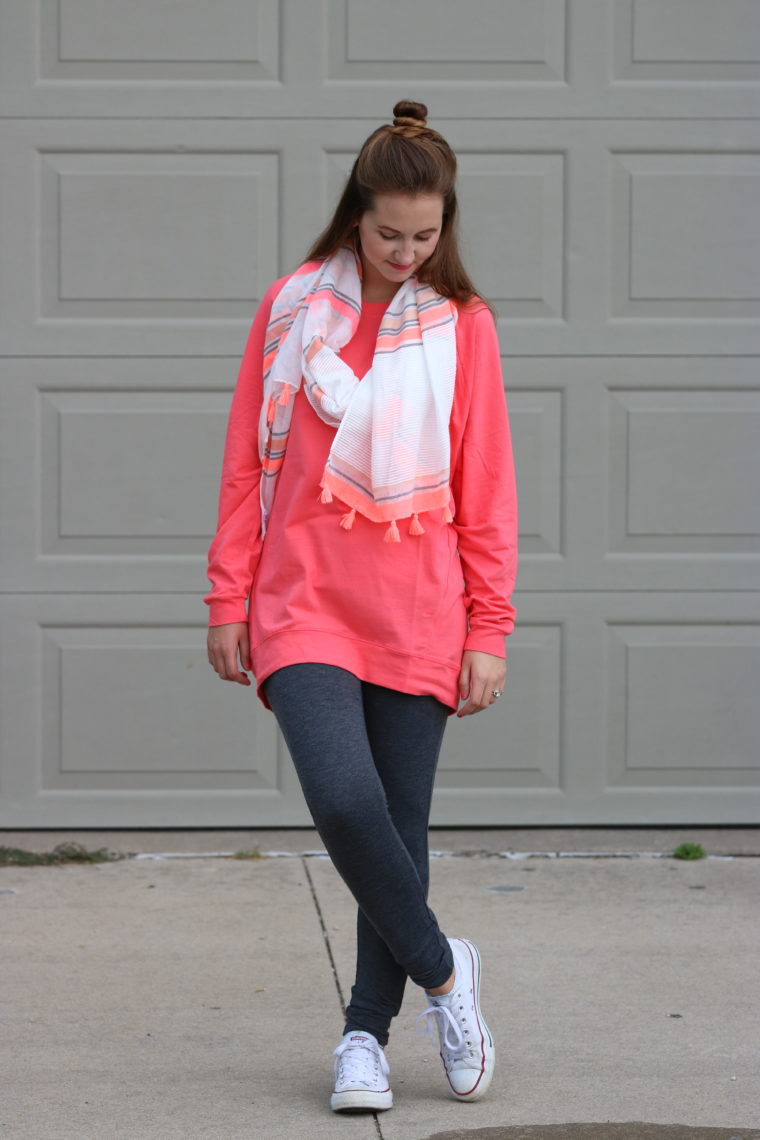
{"points": [[406, 252]]}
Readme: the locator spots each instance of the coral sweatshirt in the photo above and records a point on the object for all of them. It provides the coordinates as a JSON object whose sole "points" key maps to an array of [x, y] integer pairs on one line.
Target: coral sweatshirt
{"points": [[394, 614]]}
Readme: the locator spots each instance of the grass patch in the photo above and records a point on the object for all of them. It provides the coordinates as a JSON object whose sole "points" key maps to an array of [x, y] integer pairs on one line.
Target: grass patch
{"points": [[254, 853], [63, 853], [689, 851]]}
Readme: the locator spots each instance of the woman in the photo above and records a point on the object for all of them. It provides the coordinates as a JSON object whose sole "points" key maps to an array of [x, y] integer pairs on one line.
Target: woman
{"points": [[368, 519]]}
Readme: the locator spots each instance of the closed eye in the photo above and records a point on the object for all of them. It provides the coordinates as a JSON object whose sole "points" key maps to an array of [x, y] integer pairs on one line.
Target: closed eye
{"points": [[418, 237]]}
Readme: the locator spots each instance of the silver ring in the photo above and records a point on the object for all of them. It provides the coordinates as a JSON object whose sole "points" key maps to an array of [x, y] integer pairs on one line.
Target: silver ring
{"points": [[496, 692]]}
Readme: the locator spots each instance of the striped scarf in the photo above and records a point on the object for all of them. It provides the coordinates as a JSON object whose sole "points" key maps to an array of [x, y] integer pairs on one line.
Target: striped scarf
{"points": [[390, 456]]}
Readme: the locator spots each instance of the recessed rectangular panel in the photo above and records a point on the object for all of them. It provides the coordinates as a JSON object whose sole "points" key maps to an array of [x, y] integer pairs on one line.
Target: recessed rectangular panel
{"points": [[481, 30], [145, 29], [157, 235], [518, 744], [130, 472], [702, 258], [685, 235], [110, 469], [695, 471], [696, 44], [684, 471], [684, 705], [130, 706], [144, 241], [517, 250], [485, 40], [150, 40], [671, 31], [536, 427]]}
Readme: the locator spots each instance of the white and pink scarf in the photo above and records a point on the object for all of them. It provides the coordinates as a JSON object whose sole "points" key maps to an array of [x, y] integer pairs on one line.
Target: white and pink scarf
{"points": [[390, 456]]}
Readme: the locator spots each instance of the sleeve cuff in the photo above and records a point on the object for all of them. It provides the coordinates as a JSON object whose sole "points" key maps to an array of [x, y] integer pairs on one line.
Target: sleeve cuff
{"points": [[226, 612], [486, 641]]}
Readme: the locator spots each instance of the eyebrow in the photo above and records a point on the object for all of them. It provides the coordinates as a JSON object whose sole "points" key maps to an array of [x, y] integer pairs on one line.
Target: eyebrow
{"points": [[428, 230]]}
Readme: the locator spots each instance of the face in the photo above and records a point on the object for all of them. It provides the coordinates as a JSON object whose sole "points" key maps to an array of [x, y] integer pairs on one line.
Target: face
{"points": [[397, 235]]}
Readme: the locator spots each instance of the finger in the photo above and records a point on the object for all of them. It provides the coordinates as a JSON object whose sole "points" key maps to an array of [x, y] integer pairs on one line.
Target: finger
{"points": [[464, 682], [496, 687], [223, 651], [245, 651], [481, 695], [225, 663], [477, 700], [232, 669]]}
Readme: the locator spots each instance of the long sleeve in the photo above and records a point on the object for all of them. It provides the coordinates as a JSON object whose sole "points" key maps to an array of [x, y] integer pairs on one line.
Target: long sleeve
{"points": [[236, 547], [485, 496]]}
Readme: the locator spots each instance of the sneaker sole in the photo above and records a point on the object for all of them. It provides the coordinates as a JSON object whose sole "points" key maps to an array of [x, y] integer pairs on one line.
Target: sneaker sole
{"points": [[357, 1100], [489, 1052]]}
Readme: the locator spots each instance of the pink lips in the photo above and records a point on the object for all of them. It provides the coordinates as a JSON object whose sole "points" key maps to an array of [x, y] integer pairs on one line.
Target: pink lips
{"points": [[394, 266]]}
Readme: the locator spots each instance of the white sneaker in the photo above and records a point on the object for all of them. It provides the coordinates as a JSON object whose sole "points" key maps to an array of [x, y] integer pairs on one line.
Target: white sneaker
{"points": [[361, 1075], [467, 1049]]}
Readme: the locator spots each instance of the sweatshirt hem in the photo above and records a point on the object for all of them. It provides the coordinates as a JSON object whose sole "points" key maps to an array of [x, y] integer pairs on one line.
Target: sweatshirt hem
{"points": [[376, 664]]}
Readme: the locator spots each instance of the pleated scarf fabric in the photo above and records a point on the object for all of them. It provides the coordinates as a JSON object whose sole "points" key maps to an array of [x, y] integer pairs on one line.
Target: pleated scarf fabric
{"points": [[390, 457]]}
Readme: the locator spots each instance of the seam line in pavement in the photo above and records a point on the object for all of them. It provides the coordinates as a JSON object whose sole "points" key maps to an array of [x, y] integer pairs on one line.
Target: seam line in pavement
{"points": [[330, 958], [325, 936]]}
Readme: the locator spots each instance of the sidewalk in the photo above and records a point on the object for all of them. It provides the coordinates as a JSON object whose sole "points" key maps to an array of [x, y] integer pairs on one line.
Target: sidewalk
{"points": [[200, 997]]}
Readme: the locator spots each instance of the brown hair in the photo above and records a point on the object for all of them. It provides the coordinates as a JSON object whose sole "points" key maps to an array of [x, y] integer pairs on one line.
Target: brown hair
{"points": [[406, 158]]}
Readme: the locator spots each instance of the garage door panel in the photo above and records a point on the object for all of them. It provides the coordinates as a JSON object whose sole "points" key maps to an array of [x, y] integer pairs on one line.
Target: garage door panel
{"points": [[683, 703], [110, 715], [519, 745], [150, 236], [105, 58], [320, 57], [560, 266], [677, 39], [134, 469], [110, 472], [111, 704], [655, 719], [685, 235], [684, 472], [146, 40], [535, 418], [481, 42], [118, 702]]}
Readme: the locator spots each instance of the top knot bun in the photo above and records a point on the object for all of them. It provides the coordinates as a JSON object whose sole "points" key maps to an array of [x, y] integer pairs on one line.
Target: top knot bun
{"points": [[408, 114]]}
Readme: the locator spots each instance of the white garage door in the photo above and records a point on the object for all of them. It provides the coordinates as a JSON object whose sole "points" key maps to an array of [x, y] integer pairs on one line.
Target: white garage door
{"points": [[161, 164]]}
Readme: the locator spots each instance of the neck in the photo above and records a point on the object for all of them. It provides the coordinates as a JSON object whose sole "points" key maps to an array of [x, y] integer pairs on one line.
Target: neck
{"points": [[374, 285], [375, 295]]}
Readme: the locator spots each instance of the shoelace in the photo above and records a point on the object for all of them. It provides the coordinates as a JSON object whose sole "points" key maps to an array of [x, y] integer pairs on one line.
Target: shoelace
{"points": [[358, 1064], [452, 1040]]}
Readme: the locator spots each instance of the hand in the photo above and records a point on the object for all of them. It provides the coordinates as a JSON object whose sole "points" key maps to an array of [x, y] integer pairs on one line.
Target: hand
{"points": [[227, 643], [481, 673]]}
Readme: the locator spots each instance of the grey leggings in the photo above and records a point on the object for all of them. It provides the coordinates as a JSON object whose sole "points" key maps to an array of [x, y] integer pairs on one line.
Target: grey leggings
{"points": [[366, 758]]}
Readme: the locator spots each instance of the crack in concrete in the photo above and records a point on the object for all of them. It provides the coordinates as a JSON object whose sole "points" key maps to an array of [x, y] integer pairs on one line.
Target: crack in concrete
{"points": [[325, 936], [331, 959]]}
